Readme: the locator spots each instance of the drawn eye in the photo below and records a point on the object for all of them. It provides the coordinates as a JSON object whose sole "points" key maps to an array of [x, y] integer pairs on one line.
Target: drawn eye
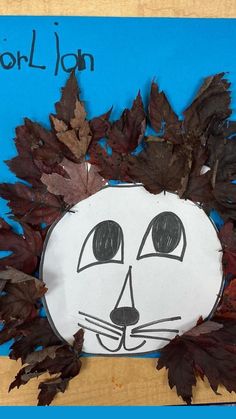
{"points": [[165, 237], [104, 244]]}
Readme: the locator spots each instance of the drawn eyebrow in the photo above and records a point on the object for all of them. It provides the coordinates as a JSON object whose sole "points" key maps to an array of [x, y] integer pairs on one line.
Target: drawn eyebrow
{"points": [[167, 230]]}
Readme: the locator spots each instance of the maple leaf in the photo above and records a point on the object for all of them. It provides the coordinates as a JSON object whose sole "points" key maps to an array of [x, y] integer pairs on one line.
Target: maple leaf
{"points": [[60, 359], [210, 354], [31, 335], [34, 144], [83, 181], [225, 199], [23, 165], [100, 126], [162, 116], [66, 106], [222, 154], [204, 327], [160, 166], [227, 236], [32, 205], [20, 298], [199, 188], [70, 124], [49, 389], [210, 107], [227, 307], [26, 249], [128, 131]]}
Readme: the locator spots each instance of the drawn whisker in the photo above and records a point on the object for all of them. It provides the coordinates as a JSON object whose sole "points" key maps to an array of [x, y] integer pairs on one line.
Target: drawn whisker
{"points": [[103, 327], [150, 337], [155, 330], [168, 319], [97, 331], [100, 320]]}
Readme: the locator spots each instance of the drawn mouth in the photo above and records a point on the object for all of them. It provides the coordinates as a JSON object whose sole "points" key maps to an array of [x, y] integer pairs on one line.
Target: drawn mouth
{"points": [[110, 330]]}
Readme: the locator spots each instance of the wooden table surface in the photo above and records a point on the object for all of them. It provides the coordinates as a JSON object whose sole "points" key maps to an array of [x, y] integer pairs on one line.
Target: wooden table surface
{"points": [[113, 381]]}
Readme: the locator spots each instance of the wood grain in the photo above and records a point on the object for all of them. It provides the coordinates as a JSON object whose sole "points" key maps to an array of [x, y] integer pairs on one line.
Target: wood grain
{"points": [[113, 381], [108, 381], [185, 8]]}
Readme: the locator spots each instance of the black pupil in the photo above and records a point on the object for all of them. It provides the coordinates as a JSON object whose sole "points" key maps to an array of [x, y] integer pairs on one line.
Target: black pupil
{"points": [[106, 240], [166, 232]]}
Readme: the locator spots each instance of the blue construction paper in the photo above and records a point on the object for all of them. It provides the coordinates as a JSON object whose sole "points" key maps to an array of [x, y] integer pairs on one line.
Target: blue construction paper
{"points": [[122, 55]]}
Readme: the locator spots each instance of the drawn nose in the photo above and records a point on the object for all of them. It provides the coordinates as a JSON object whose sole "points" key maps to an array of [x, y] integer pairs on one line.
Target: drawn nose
{"points": [[125, 313]]}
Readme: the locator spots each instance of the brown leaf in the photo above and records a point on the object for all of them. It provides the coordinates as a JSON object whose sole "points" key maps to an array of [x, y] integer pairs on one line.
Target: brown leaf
{"points": [[210, 106], [66, 106], [210, 355], [77, 145], [49, 389], [32, 205], [62, 359], [26, 249], [205, 327], [39, 356], [199, 188], [30, 336], [128, 131], [227, 307], [227, 236], [160, 166], [83, 182], [161, 116], [100, 126], [20, 300], [225, 197]]}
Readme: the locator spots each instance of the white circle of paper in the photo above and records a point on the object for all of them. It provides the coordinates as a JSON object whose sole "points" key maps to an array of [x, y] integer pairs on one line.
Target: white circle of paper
{"points": [[160, 284]]}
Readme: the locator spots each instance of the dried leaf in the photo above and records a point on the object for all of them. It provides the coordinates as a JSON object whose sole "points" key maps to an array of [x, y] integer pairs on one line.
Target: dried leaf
{"points": [[162, 116], [210, 355], [210, 106], [78, 145], [60, 359], [30, 336], [128, 131], [205, 327], [100, 126], [20, 300], [26, 249], [49, 389], [65, 108], [32, 205], [83, 181], [227, 307], [160, 166], [199, 188]]}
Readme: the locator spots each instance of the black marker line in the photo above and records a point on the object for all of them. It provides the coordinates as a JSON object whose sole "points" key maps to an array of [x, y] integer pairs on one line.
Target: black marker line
{"points": [[157, 330], [100, 227], [168, 319], [97, 331], [164, 249], [57, 54], [127, 278], [135, 347], [102, 321], [42, 67], [150, 337], [104, 327], [105, 347]]}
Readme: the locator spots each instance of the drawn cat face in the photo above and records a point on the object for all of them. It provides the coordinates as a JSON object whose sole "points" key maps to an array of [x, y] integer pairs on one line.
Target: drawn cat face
{"points": [[131, 268]]}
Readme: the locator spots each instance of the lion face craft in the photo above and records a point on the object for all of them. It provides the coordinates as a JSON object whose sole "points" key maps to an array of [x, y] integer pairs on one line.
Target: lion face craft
{"points": [[132, 269]]}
